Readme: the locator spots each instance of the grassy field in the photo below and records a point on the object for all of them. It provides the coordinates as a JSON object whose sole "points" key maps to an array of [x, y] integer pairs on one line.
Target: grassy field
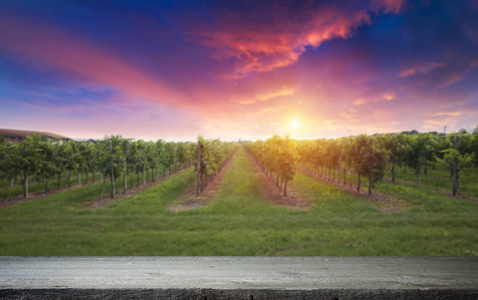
{"points": [[241, 221]]}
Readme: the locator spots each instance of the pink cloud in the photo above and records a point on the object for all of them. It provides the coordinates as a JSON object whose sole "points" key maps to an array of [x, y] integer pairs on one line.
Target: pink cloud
{"points": [[451, 79], [265, 46], [423, 68], [39, 42]]}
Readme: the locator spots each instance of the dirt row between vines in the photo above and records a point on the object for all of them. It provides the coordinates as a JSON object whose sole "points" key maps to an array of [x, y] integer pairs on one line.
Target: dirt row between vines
{"points": [[189, 200], [382, 201], [293, 199]]}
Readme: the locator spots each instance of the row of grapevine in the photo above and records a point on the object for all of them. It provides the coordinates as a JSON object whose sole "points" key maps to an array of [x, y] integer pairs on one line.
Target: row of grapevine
{"points": [[277, 157], [113, 157], [367, 156], [361, 154], [211, 157]]}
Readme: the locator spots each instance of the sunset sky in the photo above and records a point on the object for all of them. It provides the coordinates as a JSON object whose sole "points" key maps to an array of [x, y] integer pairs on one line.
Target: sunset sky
{"points": [[238, 69]]}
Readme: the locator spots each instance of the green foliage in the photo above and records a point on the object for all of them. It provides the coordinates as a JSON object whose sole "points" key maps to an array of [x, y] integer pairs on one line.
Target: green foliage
{"points": [[240, 221], [9, 157], [112, 156], [453, 158], [416, 154], [43, 159], [213, 155], [368, 160], [364, 155], [278, 157]]}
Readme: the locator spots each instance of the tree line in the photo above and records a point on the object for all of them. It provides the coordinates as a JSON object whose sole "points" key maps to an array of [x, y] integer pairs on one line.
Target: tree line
{"points": [[110, 158], [368, 156]]}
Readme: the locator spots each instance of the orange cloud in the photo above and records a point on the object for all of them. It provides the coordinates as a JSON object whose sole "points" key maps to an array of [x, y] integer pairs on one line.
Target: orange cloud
{"points": [[389, 96], [267, 97]]}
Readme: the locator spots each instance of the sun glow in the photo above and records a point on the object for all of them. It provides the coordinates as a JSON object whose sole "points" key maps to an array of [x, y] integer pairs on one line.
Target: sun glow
{"points": [[295, 124]]}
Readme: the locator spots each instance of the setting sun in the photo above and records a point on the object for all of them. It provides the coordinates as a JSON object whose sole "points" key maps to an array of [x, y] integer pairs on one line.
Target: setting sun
{"points": [[294, 124]]}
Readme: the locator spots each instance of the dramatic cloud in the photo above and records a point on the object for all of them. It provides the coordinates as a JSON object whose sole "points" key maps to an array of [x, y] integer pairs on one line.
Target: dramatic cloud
{"points": [[263, 44], [238, 69]]}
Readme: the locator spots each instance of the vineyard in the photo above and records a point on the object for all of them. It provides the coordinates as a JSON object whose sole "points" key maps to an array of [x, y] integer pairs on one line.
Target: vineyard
{"points": [[369, 157], [136, 162], [346, 184]]}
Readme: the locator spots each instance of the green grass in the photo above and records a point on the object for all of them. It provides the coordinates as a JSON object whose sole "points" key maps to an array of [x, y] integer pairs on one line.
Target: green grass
{"points": [[436, 180], [39, 187], [35, 187], [439, 180], [240, 221]]}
